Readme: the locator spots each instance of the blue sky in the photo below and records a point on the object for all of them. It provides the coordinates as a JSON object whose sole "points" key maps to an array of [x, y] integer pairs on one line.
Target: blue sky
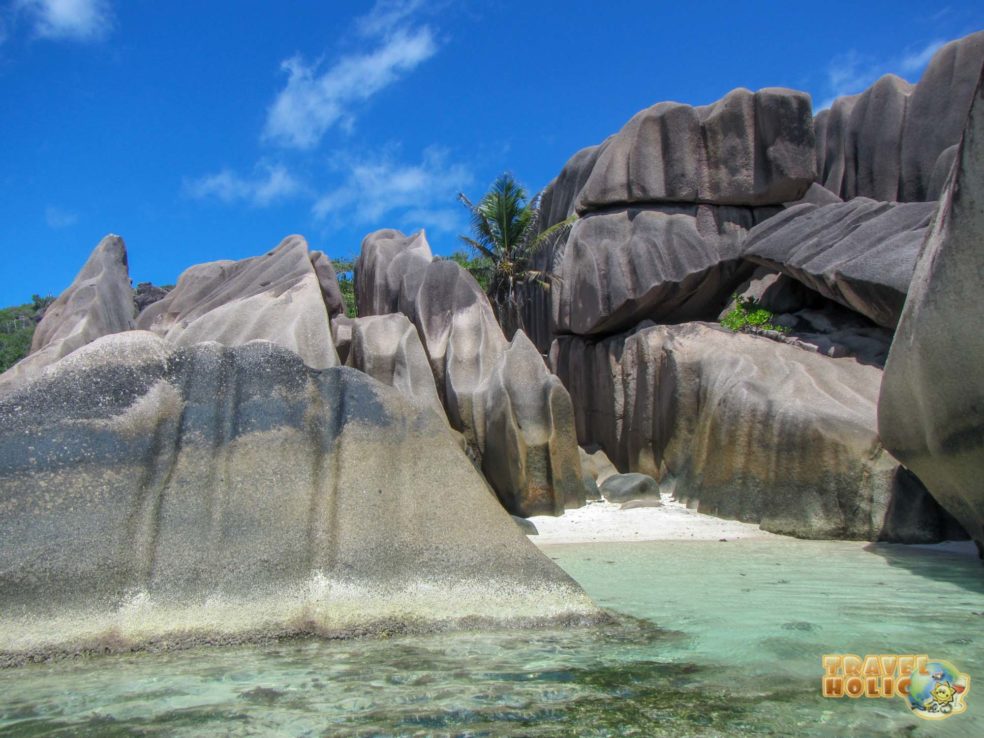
{"points": [[209, 130]]}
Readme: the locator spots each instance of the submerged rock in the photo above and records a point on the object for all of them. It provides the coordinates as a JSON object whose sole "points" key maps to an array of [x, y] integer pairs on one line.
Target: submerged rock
{"points": [[747, 428], [278, 297], [97, 303], [931, 412], [154, 495]]}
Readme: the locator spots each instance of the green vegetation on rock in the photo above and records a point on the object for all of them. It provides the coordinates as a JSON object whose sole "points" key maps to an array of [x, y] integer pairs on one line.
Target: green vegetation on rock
{"points": [[346, 283], [17, 329], [748, 313]]}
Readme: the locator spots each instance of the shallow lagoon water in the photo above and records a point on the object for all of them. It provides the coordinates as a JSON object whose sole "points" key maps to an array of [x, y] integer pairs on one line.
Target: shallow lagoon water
{"points": [[713, 638]]}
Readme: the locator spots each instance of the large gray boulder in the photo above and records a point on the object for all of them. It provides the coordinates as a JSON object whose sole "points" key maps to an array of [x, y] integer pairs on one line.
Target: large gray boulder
{"points": [[388, 349], [662, 262], [743, 427], [498, 395], [389, 258], [97, 303], [860, 253], [631, 486], [749, 148], [153, 495], [277, 297], [931, 412], [893, 141]]}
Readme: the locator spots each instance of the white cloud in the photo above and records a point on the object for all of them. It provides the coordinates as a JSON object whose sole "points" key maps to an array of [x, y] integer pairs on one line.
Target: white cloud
{"points": [[851, 72], [313, 102], [78, 20], [386, 15], [915, 61], [58, 218], [268, 184], [422, 194]]}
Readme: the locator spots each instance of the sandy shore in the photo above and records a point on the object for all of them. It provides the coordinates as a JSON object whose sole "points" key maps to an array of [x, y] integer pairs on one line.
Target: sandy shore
{"points": [[605, 521]]}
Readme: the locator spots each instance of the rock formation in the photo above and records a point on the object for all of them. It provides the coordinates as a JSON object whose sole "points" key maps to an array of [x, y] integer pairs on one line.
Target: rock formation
{"points": [[859, 253], [153, 495], [98, 302], [665, 205], [931, 413], [278, 297], [747, 428], [514, 415], [387, 348], [894, 140]]}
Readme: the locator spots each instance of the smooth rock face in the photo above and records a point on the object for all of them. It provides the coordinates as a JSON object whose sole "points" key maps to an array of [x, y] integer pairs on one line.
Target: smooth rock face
{"points": [[388, 259], [632, 486], [747, 428], [97, 303], [931, 412], [663, 263], [278, 297], [890, 142], [859, 253], [745, 149], [595, 464], [153, 495], [485, 384], [387, 348]]}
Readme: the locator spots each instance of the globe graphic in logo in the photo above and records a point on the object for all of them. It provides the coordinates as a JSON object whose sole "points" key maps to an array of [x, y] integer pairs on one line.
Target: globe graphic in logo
{"points": [[940, 692]]}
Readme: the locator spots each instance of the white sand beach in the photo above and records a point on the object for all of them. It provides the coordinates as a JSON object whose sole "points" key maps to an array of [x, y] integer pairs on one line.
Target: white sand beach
{"points": [[601, 521]]}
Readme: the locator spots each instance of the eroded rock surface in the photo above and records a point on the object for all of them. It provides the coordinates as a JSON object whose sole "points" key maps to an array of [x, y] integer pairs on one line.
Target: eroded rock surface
{"points": [[514, 415], [97, 303], [746, 428], [931, 413], [894, 140], [161, 495], [859, 253], [277, 297]]}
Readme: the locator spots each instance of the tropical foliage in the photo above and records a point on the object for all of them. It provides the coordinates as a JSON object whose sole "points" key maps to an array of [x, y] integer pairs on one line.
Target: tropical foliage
{"points": [[748, 313], [344, 270], [505, 233], [17, 329]]}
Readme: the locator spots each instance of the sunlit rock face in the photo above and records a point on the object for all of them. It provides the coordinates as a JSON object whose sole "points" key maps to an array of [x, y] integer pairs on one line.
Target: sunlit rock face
{"points": [[98, 302], [279, 297], [515, 416], [665, 205], [894, 141], [744, 427], [153, 495], [860, 254], [931, 413]]}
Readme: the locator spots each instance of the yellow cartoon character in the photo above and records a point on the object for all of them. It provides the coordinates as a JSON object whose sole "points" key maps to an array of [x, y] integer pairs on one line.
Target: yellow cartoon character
{"points": [[941, 697]]}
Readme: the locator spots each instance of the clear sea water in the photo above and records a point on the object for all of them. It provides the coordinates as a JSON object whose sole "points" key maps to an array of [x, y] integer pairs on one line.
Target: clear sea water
{"points": [[712, 638]]}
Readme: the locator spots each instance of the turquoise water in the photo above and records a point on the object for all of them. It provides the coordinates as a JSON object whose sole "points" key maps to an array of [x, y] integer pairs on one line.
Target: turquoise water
{"points": [[713, 639]]}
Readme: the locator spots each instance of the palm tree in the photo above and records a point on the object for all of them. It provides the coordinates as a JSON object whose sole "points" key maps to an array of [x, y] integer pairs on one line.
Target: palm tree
{"points": [[505, 227]]}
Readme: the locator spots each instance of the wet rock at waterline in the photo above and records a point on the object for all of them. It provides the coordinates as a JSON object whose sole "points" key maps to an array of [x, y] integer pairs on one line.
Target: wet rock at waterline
{"points": [[97, 303], [631, 486], [279, 297], [515, 416], [931, 412], [153, 495], [747, 428]]}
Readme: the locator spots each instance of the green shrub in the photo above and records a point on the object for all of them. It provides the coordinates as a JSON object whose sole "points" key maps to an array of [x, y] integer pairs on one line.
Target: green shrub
{"points": [[748, 313]]}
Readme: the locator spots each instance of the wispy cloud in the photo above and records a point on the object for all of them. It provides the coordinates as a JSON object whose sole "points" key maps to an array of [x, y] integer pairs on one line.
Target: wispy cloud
{"points": [[917, 60], [58, 218], [77, 20], [267, 185], [316, 98], [851, 72], [413, 194]]}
